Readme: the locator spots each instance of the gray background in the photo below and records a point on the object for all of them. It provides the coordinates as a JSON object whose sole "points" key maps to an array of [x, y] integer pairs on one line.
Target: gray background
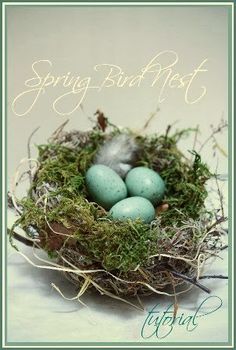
{"points": [[75, 39]]}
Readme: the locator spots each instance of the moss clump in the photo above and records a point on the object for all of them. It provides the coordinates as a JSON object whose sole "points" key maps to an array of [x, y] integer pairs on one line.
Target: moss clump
{"points": [[185, 180], [69, 224]]}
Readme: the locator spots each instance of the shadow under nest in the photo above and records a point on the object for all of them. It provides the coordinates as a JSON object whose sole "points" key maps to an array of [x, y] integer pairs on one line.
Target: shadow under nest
{"points": [[117, 258]]}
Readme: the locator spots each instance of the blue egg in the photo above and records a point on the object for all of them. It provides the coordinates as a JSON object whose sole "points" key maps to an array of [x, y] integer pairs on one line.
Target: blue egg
{"points": [[104, 185], [133, 208], [145, 182]]}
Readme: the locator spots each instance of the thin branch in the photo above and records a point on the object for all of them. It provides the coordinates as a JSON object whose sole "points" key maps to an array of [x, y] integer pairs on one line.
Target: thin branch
{"points": [[220, 198], [28, 242], [191, 280], [11, 205], [214, 132], [214, 276], [217, 222], [152, 115], [29, 152], [195, 137], [59, 130], [224, 247], [167, 131]]}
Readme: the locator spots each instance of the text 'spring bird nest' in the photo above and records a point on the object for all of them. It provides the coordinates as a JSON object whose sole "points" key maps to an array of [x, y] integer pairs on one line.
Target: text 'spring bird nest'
{"points": [[119, 258]]}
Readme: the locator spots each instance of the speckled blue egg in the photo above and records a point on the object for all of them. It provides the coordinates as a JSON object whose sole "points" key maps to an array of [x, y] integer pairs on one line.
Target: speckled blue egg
{"points": [[145, 182], [104, 185], [133, 208]]}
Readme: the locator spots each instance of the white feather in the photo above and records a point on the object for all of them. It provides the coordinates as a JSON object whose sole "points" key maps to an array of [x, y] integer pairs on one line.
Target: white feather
{"points": [[119, 154]]}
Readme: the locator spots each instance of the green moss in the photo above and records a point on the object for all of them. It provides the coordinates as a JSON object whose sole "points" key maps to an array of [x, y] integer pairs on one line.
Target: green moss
{"points": [[185, 180], [113, 245], [119, 246]]}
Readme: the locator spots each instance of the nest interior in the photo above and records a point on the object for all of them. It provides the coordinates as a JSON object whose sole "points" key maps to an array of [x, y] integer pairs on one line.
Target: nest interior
{"points": [[120, 258]]}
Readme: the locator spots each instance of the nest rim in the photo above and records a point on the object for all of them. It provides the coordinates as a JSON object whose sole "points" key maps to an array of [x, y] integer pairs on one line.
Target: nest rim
{"points": [[177, 269]]}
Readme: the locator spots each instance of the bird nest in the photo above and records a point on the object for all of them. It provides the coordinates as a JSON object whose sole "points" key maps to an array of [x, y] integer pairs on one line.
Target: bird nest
{"points": [[119, 258]]}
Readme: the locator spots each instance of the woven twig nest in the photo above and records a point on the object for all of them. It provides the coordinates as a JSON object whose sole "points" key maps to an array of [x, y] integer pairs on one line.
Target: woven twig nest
{"points": [[117, 258]]}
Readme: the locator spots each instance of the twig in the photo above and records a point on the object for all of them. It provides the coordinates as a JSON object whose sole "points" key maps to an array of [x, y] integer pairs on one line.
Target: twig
{"points": [[11, 204], [190, 280], [218, 221], [214, 276], [56, 133], [224, 247], [167, 131], [220, 197], [152, 115], [29, 152], [214, 131], [175, 298], [28, 242], [195, 139]]}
